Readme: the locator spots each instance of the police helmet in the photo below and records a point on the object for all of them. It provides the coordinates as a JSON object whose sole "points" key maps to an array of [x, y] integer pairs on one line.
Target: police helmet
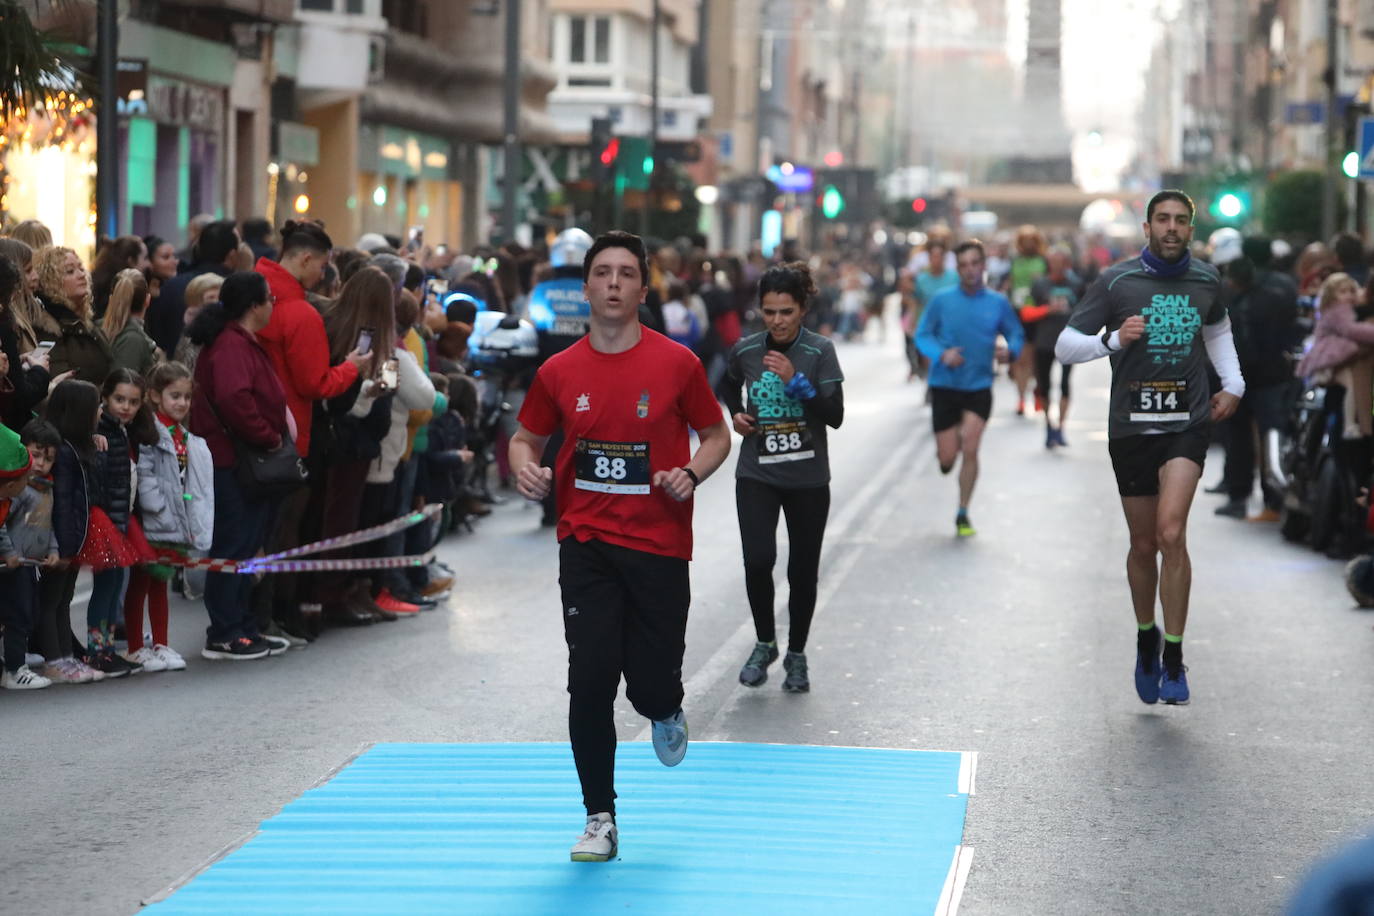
{"points": [[569, 248]]}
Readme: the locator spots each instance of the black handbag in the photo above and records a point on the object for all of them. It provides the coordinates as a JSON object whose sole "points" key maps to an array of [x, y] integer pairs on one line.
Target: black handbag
{"points": [[270, 474], [266, 473]]}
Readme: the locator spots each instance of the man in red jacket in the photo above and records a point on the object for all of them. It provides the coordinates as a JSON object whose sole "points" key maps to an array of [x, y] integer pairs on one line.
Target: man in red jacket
{"points": [[296, 342]]}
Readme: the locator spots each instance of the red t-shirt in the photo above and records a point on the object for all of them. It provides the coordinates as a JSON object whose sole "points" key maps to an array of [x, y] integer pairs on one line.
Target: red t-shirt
{"points": [[625, 416]]}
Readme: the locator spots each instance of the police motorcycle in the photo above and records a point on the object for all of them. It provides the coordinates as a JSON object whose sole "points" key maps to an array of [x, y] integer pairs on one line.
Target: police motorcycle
{"points": [[1319, 492], [503, 353]]}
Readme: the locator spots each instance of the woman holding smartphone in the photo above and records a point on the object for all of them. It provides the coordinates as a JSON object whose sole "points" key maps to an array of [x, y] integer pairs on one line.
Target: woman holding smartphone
{"points": [[351, 428]]}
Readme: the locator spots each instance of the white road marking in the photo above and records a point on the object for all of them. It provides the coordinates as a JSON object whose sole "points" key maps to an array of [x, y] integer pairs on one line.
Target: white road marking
{"points": [[968, 772], [955, 880], [736, 647]]}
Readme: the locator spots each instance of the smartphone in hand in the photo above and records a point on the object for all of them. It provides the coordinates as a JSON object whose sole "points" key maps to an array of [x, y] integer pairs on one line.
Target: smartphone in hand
{"points": [[364, 344]]}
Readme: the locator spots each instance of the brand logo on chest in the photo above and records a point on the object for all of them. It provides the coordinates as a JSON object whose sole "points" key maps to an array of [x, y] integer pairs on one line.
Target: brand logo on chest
{"points": [[642, 408]]}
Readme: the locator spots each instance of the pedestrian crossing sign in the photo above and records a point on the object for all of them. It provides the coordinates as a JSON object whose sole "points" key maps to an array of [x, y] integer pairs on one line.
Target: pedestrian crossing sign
{"points": [[1366, 148]]}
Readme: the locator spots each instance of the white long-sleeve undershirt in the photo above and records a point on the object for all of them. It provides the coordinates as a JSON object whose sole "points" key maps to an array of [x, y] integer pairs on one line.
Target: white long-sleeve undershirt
{"points": [[1073, 346]]}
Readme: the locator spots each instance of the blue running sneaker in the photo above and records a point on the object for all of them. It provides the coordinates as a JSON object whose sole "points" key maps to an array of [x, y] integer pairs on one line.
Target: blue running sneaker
{"points": [[1173, 689], [1147, 674], [670, 739]]}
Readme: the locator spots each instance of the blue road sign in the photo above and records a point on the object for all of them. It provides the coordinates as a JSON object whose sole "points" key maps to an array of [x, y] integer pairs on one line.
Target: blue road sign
{"points": [[1367, 147]]}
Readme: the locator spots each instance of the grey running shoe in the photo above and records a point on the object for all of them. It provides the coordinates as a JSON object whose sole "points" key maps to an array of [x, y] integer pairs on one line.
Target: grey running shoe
{"points": [[755, 671], [796, 681], [670, 739], [599, 842]]}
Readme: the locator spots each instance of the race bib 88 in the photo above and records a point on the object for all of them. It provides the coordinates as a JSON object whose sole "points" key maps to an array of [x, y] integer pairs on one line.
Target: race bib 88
{"points": [[620, 468]]}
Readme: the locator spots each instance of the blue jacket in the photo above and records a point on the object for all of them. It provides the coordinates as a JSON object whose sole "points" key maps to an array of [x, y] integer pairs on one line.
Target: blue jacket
{"points": [[953, 318]]}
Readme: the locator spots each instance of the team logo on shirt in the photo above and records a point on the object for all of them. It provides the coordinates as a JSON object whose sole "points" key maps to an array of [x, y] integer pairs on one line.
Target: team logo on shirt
{"points": [[1171, 325], [642, 408], [584, 403]]}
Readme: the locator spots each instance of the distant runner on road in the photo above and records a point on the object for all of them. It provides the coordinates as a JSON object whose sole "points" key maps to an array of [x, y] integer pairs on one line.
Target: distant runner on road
{"points": [[1152, 308], [958, 333]]}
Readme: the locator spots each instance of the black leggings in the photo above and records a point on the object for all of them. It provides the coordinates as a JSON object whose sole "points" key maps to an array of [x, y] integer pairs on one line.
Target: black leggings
{"points": [[1044, 365], [806, 511]]}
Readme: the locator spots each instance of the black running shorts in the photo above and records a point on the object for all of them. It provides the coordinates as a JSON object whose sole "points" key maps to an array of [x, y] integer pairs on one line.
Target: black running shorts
{"points": [[947, 406], [1137, 459]]}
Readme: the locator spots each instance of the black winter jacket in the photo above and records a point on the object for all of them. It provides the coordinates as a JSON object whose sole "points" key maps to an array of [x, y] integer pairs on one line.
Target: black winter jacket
{"points": [[27, 387], [343, 438], [70, 500], [442, 466], [113, 472]]}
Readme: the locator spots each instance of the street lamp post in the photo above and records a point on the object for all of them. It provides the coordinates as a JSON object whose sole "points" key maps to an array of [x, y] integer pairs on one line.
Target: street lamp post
{"points": [[1330, 172], [511, 192], [107, 123], [653, 116]]}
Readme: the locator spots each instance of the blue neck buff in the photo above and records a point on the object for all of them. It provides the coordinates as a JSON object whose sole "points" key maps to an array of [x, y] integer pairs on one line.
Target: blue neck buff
{"points": [[1162, 268]]}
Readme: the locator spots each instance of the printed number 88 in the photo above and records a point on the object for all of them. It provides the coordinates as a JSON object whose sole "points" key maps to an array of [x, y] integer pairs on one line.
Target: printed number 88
{"points": [[613, 468]]}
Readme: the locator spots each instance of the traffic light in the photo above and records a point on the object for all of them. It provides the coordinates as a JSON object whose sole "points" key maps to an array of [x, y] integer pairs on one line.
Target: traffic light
{"points": [[918, 206], [1350, 165], [1231, 205], [611, 150], [832, 202], [605, 148]]}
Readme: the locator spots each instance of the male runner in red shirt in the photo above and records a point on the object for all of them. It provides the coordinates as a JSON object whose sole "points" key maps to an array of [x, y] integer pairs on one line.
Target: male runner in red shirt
{"points": [[625, 397]]}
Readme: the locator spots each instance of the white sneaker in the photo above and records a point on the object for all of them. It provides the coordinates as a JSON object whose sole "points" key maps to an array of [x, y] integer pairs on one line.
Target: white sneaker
{"points": [[599, 842], [34, 661], [94, 674], [65, 671], [23, 679], [148, 658], [670, 739], [170, 657]]}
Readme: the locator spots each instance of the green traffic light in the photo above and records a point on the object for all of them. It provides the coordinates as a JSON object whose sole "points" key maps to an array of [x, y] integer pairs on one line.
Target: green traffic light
{"points": [[1230, 206], [1351, 164], [832, 202], [648, 165]]}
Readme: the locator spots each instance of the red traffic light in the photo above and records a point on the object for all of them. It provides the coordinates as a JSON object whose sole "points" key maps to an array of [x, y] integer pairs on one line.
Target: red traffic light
{"points": [[918, 205], [610, 152], [834, 159]]}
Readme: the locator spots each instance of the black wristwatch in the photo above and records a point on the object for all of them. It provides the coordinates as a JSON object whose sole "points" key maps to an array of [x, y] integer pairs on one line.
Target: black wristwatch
{"points": [[696, 481], [1107, 341]]}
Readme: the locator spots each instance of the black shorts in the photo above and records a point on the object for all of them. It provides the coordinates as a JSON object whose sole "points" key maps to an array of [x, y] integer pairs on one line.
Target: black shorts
{"points": [[947, 406], [1137, 459]]}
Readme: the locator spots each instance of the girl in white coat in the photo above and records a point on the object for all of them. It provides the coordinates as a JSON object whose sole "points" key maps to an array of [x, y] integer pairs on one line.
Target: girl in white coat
{"points": [[176, 499]]}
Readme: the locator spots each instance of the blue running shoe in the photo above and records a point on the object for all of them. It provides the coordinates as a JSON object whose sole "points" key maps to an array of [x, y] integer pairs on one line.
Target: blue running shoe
{"points": [[1173, 689], [1147, 674]]}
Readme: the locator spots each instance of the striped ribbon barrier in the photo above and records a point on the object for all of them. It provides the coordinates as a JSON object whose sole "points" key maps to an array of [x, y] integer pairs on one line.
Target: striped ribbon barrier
{"points": [[286, 562]]}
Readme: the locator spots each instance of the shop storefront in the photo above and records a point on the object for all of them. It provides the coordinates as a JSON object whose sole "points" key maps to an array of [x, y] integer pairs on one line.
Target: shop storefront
{"points": [[175, 158], [47, 169], [406, 181]]}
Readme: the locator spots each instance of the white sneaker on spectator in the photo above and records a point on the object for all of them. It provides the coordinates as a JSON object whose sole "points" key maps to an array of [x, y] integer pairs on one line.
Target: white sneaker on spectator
{"points": [[33, 661], [65, 671], [23, 679], [148, 658], [94, 674], [171, 657]]}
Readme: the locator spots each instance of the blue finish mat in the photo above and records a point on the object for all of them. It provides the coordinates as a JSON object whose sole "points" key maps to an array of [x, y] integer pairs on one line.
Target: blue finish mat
{"points": [[485, 828]]}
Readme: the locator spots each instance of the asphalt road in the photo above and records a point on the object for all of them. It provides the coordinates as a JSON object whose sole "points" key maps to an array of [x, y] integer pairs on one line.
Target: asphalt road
{"points": [[1016, 644]]}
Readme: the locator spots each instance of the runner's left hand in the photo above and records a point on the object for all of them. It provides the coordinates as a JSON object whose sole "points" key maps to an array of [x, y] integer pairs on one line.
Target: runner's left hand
{"points": [[779, 365], [1223, 405], [676, 483]]}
